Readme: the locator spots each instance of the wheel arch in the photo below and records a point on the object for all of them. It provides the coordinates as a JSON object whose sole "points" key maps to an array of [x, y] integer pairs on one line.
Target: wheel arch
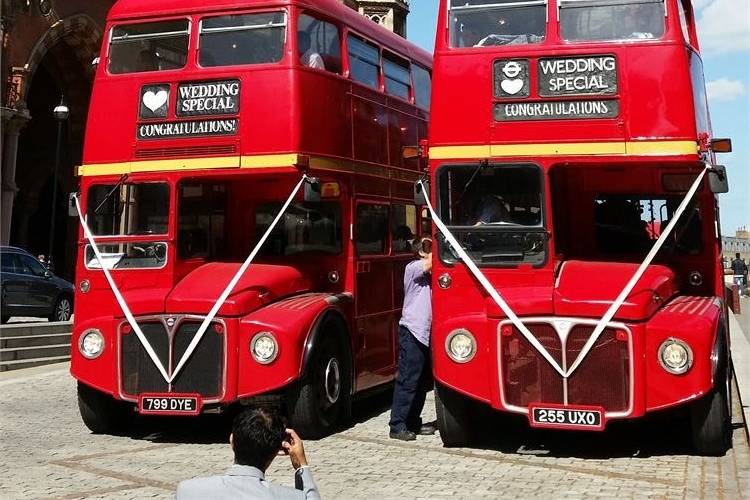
{"points": [[341, 329]]}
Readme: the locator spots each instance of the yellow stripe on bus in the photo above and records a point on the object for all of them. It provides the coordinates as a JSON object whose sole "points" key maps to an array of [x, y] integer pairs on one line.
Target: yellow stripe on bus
{"points": [[633, 148]]}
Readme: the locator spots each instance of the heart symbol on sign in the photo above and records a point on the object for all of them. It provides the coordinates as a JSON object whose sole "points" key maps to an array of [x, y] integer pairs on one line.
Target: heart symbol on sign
{"points": [[155, 100], [512, 87]]}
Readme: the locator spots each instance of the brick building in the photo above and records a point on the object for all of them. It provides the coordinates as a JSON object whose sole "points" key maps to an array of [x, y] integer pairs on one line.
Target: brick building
{"points": [[48, 47]]}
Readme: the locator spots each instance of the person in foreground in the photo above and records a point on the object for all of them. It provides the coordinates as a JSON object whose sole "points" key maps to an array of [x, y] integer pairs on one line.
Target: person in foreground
{"points": [[414, 378], [258, 435]]}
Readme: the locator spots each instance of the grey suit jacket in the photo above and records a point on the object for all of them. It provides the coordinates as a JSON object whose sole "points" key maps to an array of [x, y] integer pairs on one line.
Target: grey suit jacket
{"points": [[242, 481]]}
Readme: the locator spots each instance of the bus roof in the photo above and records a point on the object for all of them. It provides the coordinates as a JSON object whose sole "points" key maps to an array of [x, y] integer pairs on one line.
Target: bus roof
{"points": [[140, 9]]}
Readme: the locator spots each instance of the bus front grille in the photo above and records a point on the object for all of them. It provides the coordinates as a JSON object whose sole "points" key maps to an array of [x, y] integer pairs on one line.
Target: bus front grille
{"points": [[202, 374], [603, 378]]}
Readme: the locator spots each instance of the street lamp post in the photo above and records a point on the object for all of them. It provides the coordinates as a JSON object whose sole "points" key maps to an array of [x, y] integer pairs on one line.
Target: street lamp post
{"points": [[61, 113]]}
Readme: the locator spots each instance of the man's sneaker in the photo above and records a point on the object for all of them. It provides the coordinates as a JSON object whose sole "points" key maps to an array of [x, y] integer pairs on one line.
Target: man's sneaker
{"points": [[404, 435]]}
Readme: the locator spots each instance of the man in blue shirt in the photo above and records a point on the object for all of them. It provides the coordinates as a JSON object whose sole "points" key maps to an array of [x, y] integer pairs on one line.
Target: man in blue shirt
{"points": [[414, 377]]}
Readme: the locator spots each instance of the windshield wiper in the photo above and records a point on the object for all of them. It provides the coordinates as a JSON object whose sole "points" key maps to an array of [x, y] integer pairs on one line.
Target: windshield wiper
{"points": [[482, 164], [123, 178]]}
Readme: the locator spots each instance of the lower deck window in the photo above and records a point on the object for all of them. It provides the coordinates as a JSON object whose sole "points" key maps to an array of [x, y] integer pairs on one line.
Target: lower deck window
{"points": [[201, 220], [304, 228], [632, 224]]}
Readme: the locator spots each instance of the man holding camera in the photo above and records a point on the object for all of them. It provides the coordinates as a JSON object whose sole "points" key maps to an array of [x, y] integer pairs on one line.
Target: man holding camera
{"points": [[414, 378], [258, 435]]}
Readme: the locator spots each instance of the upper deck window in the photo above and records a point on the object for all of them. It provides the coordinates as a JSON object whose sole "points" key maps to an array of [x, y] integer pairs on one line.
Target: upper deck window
{"points": [[135, 48], [422, 86], [242, 39], [485, 23], [319, 44], [601, 20], [397, 76], [364, 62]]}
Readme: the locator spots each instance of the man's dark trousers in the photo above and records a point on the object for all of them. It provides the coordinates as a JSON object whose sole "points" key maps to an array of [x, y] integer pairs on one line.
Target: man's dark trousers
{"points": [[413, 381]]}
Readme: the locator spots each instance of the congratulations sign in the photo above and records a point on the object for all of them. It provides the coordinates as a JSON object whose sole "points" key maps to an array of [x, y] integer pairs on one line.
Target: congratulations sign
{"points": [[191, 128], [208, 98], [590, 75], [556, 110]]}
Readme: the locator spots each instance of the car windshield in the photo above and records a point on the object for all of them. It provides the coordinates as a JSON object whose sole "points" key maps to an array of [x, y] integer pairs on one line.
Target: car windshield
{"points": [[486, 23], [495, 212], [128, 209], [583, 20]]}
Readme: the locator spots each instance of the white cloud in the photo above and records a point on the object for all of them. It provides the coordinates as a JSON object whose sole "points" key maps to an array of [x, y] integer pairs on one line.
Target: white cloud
{"points": [[723, 25], [724, 90]]}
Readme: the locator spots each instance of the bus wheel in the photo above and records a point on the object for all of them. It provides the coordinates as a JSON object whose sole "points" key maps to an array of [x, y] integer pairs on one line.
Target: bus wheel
{"points": [[711, 421], [101, 413], [453, 417], [322, 399]]}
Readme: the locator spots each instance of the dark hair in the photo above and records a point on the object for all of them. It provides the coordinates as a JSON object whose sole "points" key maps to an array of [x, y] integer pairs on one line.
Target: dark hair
{"points": [[423, 245], [257, 436]]}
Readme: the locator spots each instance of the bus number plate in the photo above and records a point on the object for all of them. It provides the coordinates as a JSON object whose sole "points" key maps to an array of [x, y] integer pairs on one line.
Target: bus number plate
{"points": [[567, 418], [169, 405]]}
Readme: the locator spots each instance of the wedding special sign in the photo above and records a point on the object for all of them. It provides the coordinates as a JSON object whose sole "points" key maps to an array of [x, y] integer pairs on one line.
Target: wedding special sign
{"points": [[193, 99], [571, 80]]}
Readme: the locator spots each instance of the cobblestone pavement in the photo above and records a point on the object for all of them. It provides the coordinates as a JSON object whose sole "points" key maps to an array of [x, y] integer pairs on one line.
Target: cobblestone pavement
{"points": [[46, 452]]}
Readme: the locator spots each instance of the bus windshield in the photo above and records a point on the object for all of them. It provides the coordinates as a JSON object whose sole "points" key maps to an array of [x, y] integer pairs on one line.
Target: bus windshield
{"points": [[485, 23], [128, 209], [592, 20], [495, 212]]}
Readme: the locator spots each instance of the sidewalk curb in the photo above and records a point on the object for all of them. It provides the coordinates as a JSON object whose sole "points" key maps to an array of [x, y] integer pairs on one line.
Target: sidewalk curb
{"points": [[12, 376], [741, 364]]}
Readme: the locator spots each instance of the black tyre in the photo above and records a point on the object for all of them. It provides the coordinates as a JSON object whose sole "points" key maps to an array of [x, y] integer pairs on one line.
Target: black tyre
{"points": [[711, 419], [63, 309], [101, 413], [454, 417], [321, 401]]}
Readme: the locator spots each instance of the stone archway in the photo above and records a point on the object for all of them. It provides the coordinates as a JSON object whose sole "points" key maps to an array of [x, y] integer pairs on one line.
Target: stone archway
{"points": [[60, 64]]}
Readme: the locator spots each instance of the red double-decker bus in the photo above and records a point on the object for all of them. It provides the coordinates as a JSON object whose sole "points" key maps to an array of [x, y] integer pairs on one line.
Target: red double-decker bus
{"points": [[245, 208], [578, 278]]}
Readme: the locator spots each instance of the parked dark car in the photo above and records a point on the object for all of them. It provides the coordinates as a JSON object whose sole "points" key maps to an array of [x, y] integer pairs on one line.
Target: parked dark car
{"points": [[27, 288]]}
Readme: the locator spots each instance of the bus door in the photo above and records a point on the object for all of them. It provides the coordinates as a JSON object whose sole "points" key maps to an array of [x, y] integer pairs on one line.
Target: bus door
{"points": [[374, 292]]}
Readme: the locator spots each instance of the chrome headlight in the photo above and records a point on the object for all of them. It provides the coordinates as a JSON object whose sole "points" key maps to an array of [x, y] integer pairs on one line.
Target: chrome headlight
{"points": [[264, 348], [91, 343], [675, 356], [461, 345]]}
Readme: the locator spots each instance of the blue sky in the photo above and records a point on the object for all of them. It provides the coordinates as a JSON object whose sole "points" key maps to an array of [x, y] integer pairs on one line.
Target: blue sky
{"points": [[724, 31]]}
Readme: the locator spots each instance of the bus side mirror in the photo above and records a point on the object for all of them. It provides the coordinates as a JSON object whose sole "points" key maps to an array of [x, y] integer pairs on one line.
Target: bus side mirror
{"points": [[718, 180], [721, 145], [312, 190], [72, 210], [420, 196]]}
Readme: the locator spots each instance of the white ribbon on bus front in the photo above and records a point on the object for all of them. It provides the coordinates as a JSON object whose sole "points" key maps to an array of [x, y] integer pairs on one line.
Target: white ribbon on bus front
{"points": [[602, 324], [214, 310], [118, 295], [488, 286]]}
